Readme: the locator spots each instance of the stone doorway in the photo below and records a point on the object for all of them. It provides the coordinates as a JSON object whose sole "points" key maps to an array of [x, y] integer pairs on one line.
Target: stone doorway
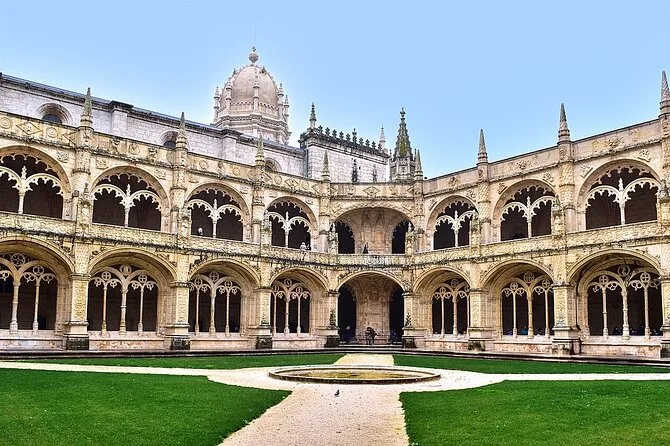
{"points": [[371, 300]]}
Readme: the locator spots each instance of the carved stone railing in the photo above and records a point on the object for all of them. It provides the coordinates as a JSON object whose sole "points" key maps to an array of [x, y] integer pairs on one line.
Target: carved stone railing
{"points": [[36, 224], [372, 260], [135, 236]]}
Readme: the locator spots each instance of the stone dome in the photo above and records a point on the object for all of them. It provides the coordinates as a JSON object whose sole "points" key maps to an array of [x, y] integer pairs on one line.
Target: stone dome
{"points": [[252, 103], [242, 84]]}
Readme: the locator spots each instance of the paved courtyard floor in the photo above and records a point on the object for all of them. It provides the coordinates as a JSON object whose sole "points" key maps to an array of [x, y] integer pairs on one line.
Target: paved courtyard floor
{"points": [[313, 415]]}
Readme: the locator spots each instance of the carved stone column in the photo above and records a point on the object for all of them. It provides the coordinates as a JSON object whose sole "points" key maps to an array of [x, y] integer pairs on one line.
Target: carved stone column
{"points": [[75, 328], [480, 331], [176, 331], [412, 336], [260, 318], [665, 328], [566, 334], [330, 330]]}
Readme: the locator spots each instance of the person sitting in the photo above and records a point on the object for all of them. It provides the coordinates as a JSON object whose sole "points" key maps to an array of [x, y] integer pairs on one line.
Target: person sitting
{"points": [[303, 246], [524, 331], [617, 331]]}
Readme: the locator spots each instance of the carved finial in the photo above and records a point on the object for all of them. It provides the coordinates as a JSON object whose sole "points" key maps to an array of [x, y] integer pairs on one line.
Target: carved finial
{"points": [[217, 93], [87, 114], [253, 56], [482, 156], [180, 143], [325, 172], [312, 117], [382, 140], [260, 156], [665, 95], [563, 131]]}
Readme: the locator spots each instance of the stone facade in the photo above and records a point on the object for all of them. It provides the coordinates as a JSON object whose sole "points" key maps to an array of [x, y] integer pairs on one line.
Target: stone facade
{"points": [[126, 229]]}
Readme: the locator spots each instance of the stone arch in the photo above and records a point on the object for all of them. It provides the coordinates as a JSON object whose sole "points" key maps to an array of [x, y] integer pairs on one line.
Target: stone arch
{"points": [[444, 300], [297, 303], [490, 278], [162, 270], [143, 305], [51, 108], [272, 165], [574, 271], [449, 222], [618, 293], [444, 203], [603, 169], [150, 179], [293, 223], [45, 307], [510, 211], [373, 226], [167, 139], [220, 288], [147, 206], [314, 279], [47, 159], [343, 280], [230, 219], [603, 201]]}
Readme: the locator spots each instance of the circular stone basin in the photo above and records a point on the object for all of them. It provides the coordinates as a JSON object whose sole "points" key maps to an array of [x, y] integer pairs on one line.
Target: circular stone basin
{"points": [[348, 374]]}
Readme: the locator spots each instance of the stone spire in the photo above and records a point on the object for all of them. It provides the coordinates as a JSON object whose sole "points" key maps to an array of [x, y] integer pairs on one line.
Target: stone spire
{"points": [[382, 140], [180, 143], [87, 114], [403, 147], [418, 170], [563, 131], [482, 156], [665, 95], [260, 156], [312, 117], [325, 171]]}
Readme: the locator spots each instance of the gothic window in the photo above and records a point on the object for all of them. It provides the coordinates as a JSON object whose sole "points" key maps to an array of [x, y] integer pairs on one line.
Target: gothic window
{"points": [[527, 306], [290, 225], [623, 195], [215, 304], [29, 186], [122, 298], [28, 294], [624, 300], [452, 227], [170, 140], [215, 214], [50, 117], [345, 238], [450, 308], [399, 238], [126, 200], [527, 213], [290, 307]]}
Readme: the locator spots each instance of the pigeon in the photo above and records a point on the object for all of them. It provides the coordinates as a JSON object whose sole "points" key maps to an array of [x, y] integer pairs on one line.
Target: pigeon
{"points": [[337, 393]]}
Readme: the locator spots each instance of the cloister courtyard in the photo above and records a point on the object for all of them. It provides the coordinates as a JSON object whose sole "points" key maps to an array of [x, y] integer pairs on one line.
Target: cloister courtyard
{"points": [[209, 400]]}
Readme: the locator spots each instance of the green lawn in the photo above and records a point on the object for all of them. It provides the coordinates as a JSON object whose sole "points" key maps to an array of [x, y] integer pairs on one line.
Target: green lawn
{"points": [[207, 362], [65, 408], [547, 413], [516, 366]]}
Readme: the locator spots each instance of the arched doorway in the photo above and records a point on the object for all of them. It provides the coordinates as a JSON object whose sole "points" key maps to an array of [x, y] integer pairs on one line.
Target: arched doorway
{"points": [[371, 300]]}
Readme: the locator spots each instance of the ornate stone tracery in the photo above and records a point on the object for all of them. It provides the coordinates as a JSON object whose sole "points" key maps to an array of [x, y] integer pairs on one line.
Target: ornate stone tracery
{"points": [[287, 290]]}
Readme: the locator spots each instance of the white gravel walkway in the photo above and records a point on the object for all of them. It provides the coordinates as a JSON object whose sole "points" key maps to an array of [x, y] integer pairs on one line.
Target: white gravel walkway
{"points": [[313, 415]]}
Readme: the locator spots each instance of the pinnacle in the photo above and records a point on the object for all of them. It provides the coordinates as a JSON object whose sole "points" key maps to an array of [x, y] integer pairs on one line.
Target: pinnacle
{"points": [[563, 130], [482, 156], [87, 114], [665, 91]]}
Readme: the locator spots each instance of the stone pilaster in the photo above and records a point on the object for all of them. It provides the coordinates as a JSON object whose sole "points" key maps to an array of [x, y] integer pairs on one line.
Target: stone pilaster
{"points": [[76, 325], [260, 318], [330, 332], [176, 331], [413, 336], [665, 328], [566, 334], [480, 331]]}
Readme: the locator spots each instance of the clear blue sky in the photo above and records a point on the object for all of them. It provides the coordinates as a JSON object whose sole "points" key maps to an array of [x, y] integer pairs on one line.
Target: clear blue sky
{"points": [[455, 67]]}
